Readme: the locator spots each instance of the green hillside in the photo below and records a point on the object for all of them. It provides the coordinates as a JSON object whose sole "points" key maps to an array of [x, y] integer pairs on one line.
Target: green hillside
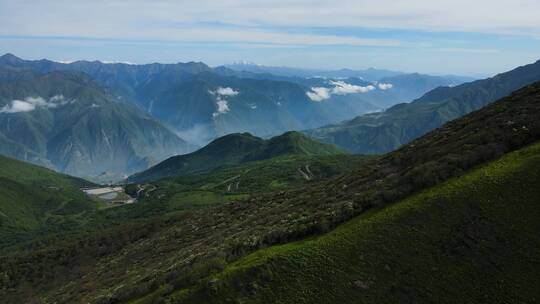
{"points": [[239, 182], [169, 254], [32, 198], [386, 131], [235, 149], [472, 239]]}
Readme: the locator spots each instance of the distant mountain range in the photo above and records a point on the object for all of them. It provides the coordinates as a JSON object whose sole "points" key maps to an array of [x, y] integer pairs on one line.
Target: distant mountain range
{"points": [[100, 120], [370, 74], [202, 103], [235, 149], [65, 121], [386, 131]]}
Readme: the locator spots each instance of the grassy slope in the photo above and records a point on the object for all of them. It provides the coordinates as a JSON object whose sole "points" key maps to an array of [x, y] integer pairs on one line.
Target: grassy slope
{"points": [[197, 191], [235, 149], [20, 202], [30, 196], [471, 239], [256, 177], [132, 260]]}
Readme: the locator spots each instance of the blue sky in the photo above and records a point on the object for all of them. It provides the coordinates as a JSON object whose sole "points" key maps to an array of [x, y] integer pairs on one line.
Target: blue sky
{"points": [[441, 37]]}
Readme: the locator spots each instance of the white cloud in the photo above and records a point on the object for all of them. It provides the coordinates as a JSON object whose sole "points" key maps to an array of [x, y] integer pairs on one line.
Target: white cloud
{"points": [[319, 94], [340, 88], [18, 106], [32, 103], [115, 62], [221, 103], [385, 86], [222, 107], [343, 88], [226, 91], [57, 99]]}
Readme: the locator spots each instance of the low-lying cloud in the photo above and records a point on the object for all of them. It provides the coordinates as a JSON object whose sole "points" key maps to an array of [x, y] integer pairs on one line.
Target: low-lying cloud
{"points": [[226, 91], [385, 86], [222, 107], [319, 94], [221, 103], [31, 103], [341, 88], [199, 135]]}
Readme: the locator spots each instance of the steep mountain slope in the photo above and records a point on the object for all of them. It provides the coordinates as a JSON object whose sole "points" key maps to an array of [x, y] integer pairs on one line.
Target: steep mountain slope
{"points": [[203, 103], [235, 149], [65, 121], [412, 86], [471, 239], [386, 131], [149, 260], [31, 196]]}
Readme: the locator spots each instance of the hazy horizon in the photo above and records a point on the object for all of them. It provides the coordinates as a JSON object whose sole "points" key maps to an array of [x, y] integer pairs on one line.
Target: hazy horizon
{"points": [[249, 63], [446, 37]]}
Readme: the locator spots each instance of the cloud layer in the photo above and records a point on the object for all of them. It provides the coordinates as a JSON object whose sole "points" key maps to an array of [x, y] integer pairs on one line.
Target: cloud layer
{"points": [[32, 103], [168, 18]]}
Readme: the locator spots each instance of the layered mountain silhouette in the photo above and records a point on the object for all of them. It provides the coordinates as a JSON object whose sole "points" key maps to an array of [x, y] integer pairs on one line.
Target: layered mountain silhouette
{"points": [[65, 121], [203, 103], [385, 131]]}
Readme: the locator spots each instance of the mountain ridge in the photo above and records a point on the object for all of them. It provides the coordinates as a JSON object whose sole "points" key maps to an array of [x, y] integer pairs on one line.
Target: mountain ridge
{"points": [[398, 125], [185, 96], [64, 120], [235, 149]]}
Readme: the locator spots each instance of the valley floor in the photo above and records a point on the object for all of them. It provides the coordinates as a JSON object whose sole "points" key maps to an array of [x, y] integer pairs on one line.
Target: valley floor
{"points": [[111, 196]]}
